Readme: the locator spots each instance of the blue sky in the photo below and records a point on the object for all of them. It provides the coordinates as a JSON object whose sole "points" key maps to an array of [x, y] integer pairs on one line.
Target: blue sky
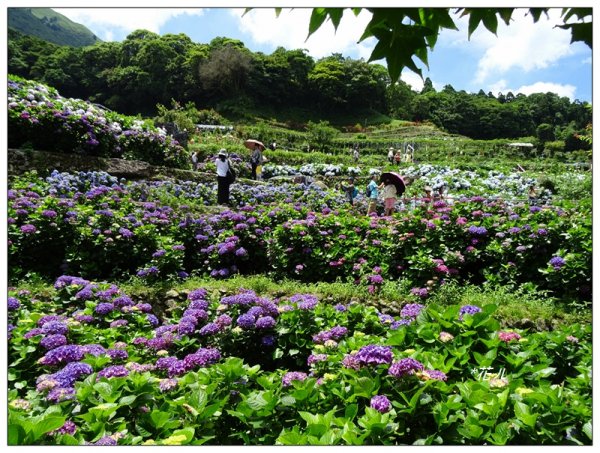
{"points": [[523, 58]]}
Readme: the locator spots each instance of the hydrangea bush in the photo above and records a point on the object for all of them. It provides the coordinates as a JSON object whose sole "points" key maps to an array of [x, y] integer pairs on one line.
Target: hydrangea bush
{"points": [[39, 117], [250, 369], [87, 226]]}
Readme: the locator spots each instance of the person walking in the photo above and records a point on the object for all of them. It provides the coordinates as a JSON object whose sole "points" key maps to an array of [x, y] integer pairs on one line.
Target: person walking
{"points": [[356, 155], [195, 160], [372, 194], [350, 191], [223, 177], [390, 155], [256, 160]]}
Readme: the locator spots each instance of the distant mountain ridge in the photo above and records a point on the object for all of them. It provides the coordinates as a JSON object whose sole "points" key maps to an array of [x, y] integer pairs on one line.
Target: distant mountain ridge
{"points": [[46, 24]]}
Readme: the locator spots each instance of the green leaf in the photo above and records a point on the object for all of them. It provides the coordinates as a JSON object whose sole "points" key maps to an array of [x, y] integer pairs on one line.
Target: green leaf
{"points": [[470, 429], [127, 400], [336, 16], [291, 438], [309, 418], [350, 411], [256, 400], [46, 425], [580, 32], [16, 434], [159, 418], [287, 400], [317, 18], [587, 430], [524, 414], [67, 439]]}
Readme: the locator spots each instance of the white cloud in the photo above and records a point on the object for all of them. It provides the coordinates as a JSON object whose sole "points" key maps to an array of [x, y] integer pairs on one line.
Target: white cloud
{"points": [[538, 87], [290, 30], [521, 46], [105, 21], [412, 79], [587, 60]]}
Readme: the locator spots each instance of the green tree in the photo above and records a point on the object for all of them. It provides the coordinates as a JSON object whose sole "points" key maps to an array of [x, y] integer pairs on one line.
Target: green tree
{"points": [[320, 135]]}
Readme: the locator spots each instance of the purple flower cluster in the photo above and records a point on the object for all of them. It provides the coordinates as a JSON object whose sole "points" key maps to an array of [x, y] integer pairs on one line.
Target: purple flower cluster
{"points": [[113, 371], [381, 403], [468, 310], [315, 358], [477, 231], [304, 301], [411, 310], [287, 378], [13, 304], [63, 354], [405, 367], [557, 262], [53, 341], [335, 333], [203, 357], [374, 355]]}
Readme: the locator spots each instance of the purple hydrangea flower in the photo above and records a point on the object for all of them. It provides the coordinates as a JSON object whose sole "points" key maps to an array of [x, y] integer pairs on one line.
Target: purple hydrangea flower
{"points": [[432, 374], [405, 367], [477, 231], [93, 349], [167, 385], [113, 371], [63, 354], [55, 328], [265, 322], [381, 403], [28, 229], [315, 358], [223, 320], [246, 321], [469, 310], [53, 341], [117, 354], [13, 304], [411, 310], [186, 328], [268, 340], [68, 428], [107, 441], [287, 378], [104, 308], [210, 329], [557, 262], [56, 395], [374, 355]]}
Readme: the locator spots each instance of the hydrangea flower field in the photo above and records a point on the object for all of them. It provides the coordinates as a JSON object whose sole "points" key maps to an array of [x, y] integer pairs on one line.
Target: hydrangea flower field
{"points": [[95, 359]]}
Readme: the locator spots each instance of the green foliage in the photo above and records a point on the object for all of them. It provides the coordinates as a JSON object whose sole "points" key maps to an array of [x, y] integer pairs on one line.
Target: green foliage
{"points": [[492, 386], [320, 135]]}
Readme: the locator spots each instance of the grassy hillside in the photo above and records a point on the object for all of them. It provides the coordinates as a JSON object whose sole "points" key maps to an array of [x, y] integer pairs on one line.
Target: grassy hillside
{"points": [[50, 26]]}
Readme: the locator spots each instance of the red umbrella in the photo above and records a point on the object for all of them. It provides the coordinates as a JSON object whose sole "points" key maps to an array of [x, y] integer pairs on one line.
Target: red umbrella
{"points": [[251, 144], [396, 180]]}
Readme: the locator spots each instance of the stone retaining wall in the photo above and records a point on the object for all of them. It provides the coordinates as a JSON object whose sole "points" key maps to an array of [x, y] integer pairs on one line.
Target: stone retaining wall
{"points": [[22, 160]]}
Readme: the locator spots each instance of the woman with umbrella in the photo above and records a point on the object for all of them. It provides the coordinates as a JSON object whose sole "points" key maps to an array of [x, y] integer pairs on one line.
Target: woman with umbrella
{"points": [[393, 186], [256, 156]]}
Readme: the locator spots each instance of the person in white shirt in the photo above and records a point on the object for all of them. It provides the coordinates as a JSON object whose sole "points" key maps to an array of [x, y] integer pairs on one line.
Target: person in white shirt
{"points": [[222, 181]]}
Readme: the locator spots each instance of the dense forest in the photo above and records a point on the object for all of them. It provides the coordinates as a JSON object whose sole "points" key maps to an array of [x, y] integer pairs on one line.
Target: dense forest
{"points": [[146, 69]]}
